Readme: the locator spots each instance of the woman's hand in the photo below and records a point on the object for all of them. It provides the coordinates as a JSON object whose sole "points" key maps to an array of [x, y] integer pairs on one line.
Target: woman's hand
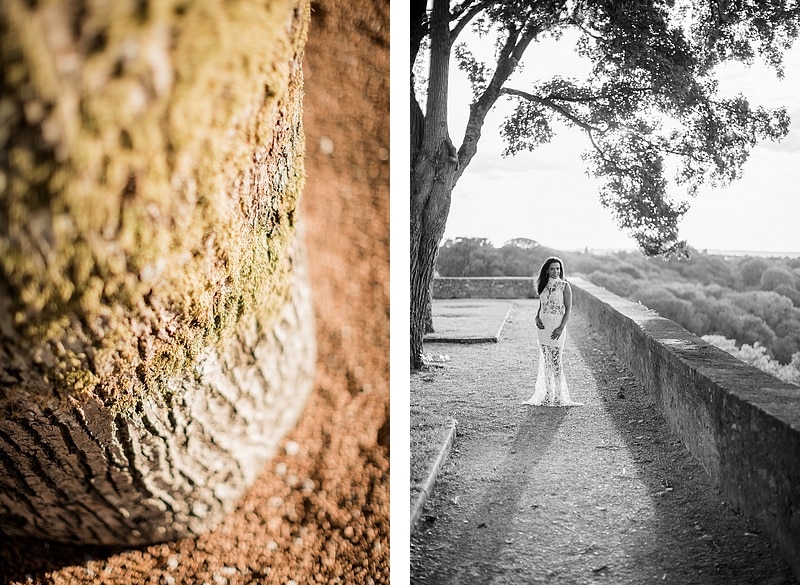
{"points": [[557, 332], [539, 323]]}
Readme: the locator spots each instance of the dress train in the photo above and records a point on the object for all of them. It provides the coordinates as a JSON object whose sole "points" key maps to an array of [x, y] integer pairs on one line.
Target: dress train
{"points": [[551, 385]]}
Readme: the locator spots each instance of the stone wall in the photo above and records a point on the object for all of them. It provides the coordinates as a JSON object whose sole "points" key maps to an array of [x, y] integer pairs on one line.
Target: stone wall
{"points": [[742, 424], [484, 288]]}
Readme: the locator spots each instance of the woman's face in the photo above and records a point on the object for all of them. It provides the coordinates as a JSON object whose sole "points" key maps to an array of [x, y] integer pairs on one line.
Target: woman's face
{"points": [[554, 270]]}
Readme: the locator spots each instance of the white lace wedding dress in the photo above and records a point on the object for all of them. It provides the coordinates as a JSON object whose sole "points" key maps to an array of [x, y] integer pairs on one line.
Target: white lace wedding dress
{"points": [[551, 385]]}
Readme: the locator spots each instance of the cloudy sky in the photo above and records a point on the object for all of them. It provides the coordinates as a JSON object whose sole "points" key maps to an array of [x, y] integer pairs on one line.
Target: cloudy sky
{"points": [[547, 196]]}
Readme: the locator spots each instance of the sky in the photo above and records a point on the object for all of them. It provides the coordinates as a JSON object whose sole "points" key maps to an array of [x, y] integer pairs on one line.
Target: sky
{"points": [[548, 197]]}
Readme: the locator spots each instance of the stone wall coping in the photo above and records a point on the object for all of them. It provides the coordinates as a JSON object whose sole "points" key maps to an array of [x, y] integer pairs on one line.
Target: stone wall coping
{"points": [[741, 423]]}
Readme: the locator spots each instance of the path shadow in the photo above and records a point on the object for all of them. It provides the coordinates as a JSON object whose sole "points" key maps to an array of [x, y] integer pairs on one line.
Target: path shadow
{"points": [[689, 534], [483, 535]]}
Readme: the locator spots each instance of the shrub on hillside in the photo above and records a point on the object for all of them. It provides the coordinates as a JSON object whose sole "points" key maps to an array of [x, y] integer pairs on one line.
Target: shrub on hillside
{"points": [[757, 355]]}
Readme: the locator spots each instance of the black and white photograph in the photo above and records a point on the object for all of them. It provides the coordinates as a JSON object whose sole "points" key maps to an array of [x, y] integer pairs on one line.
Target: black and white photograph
{"points": [[604, 292]]}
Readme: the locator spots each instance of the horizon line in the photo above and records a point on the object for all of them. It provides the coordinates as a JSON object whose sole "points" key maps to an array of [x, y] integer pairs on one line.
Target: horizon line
{"points": [[706, 250]]}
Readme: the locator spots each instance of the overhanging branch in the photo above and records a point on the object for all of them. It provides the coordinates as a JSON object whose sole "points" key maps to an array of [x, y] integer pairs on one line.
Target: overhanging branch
{"points": [[465, 17], [550, 103], [509, 56]]}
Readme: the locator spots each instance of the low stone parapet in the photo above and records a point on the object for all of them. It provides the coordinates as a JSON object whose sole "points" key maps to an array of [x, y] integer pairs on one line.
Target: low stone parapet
{"points": [[742, 424], [505, 287]]}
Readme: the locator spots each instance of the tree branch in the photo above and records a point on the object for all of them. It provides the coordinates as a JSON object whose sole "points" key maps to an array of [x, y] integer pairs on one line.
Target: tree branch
{"points": [[510, 55], [464, 20], [435, 130], [550, 103]]}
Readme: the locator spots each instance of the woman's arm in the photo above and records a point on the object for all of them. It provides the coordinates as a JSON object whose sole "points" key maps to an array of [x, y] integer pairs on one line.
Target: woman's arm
{"points": [[567, 304], [567, 310], [538, 319]]}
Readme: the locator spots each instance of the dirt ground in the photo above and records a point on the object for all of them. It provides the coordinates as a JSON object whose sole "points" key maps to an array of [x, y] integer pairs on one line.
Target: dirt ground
{"points": [[603, 492], [320, 512]]}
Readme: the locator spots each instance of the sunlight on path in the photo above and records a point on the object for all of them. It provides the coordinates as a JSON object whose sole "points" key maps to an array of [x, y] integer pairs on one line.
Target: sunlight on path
{"points": [[582, 487], [569, 495]]}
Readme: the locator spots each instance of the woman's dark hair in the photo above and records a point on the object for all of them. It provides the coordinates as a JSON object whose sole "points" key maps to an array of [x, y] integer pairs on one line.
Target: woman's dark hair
{"points": [[544, 278]]}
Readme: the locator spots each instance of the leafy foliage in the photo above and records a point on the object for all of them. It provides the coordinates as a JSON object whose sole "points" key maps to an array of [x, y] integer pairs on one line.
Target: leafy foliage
{"points": [[475, 70], [650, 107], [758, 356], [753, 302]]}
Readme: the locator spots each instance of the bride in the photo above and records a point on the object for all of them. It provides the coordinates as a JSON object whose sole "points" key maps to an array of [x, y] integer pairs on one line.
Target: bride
{"points": [[555, 303]]}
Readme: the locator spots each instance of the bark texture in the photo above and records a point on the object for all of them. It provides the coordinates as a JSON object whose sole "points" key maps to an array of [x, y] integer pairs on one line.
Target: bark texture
{"points": [[433, 173], [156, 323]]}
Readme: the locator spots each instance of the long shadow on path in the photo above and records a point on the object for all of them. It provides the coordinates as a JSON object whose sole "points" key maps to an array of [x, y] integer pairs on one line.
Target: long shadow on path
{"points": [[676, 527], [484, 531]]}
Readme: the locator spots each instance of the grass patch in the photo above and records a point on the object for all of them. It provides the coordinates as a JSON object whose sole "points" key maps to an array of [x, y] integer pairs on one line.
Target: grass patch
{"points": [[427, 426], [467, 318]]}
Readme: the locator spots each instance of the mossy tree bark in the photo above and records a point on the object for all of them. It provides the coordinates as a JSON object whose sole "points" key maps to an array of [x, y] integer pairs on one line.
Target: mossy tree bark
{"points": [[156, 329]]}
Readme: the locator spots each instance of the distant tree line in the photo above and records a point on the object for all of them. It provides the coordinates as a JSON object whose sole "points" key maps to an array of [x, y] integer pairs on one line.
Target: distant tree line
{"points": [[749, 306]]}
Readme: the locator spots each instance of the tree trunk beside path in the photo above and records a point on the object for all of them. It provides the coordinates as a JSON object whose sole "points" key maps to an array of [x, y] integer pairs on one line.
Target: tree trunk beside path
{"points": [[604, 491], [156, 320]]}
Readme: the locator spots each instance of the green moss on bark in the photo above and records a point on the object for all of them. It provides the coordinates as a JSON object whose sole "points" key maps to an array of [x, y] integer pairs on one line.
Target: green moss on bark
{"points": [[151, 173]]}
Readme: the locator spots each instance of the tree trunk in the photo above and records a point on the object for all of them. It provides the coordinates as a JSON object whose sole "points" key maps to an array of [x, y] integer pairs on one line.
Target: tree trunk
{"points": [[156, 326], [433, 168], [429, 312], [436, 166], [431, 182]]}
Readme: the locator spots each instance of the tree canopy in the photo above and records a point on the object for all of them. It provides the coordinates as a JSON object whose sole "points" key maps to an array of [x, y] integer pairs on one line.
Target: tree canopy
{"points": [[650, 107]]}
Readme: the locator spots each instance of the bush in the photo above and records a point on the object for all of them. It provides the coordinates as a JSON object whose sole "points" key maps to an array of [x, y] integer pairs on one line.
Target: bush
{"points": [[617, 284], [751, 270], [775, 276], [790, 293], [756, 355]]}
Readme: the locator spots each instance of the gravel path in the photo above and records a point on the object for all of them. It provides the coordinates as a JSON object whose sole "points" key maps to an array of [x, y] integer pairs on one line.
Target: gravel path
{"points": [[599, 493]]}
